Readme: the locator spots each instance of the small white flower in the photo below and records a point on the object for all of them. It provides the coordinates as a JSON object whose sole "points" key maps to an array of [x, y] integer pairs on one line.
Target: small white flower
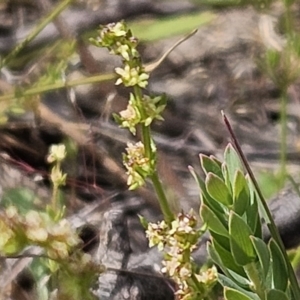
{"points": [[56, 153]]}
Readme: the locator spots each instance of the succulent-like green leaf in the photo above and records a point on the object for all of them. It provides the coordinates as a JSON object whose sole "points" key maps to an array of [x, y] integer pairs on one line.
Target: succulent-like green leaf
{"points": [[205, 197], [210, 165], [208, 200], [241, 193], [233, 276], [215, 257], [232, 161], [212, 221], [263, 254], [277, 294], [222, 240], [226, 176], [227, 282], [241, 245], [255, 198], [217, 161], [231, 294], [227, 260], [253, 217], [218, 190], [280, 273]]}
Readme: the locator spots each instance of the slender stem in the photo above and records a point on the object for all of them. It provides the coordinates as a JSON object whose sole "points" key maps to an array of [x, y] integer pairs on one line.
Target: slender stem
{"points": [[58, 9], [267, 214], [146, 134], [146, 138], [163, 202], [59, 85], [54, 197]]}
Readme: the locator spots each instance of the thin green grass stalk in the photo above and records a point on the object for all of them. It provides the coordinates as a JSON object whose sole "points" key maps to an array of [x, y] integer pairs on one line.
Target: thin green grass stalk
{"points": [[56, 11], [58, 85], [266, 212]]}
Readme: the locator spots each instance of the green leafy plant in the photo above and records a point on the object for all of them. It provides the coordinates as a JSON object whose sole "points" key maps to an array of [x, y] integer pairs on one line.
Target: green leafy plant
{"points": [[233, 211], [177, 235], [230, 203]]}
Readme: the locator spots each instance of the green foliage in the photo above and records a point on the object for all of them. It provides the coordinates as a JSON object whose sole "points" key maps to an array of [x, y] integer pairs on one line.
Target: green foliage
{"points": [[231, 294], [252, 269]]}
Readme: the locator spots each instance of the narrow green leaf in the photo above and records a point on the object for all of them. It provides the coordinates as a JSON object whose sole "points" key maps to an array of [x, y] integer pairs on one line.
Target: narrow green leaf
{"points": [[241, 193], [204, 196], [209, 165], [241, 245], [231, 294], [215, 257], [242, 281], [227, 260], [227, 282], [232, 161], [226, 176], [277, 294], [255, 198], [253, 217], [217, 189], [222, 240], [218, 162], [212, 221], [280, 273], [233, 276], [263, 254], [209, 201]]}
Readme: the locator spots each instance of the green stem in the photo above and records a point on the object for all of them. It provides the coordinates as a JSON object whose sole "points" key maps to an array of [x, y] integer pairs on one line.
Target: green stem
{"points": [[283, 136], [58, 9], [146, 139], [54, 197], [59, 85], [162, 199], [146, 134]]}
